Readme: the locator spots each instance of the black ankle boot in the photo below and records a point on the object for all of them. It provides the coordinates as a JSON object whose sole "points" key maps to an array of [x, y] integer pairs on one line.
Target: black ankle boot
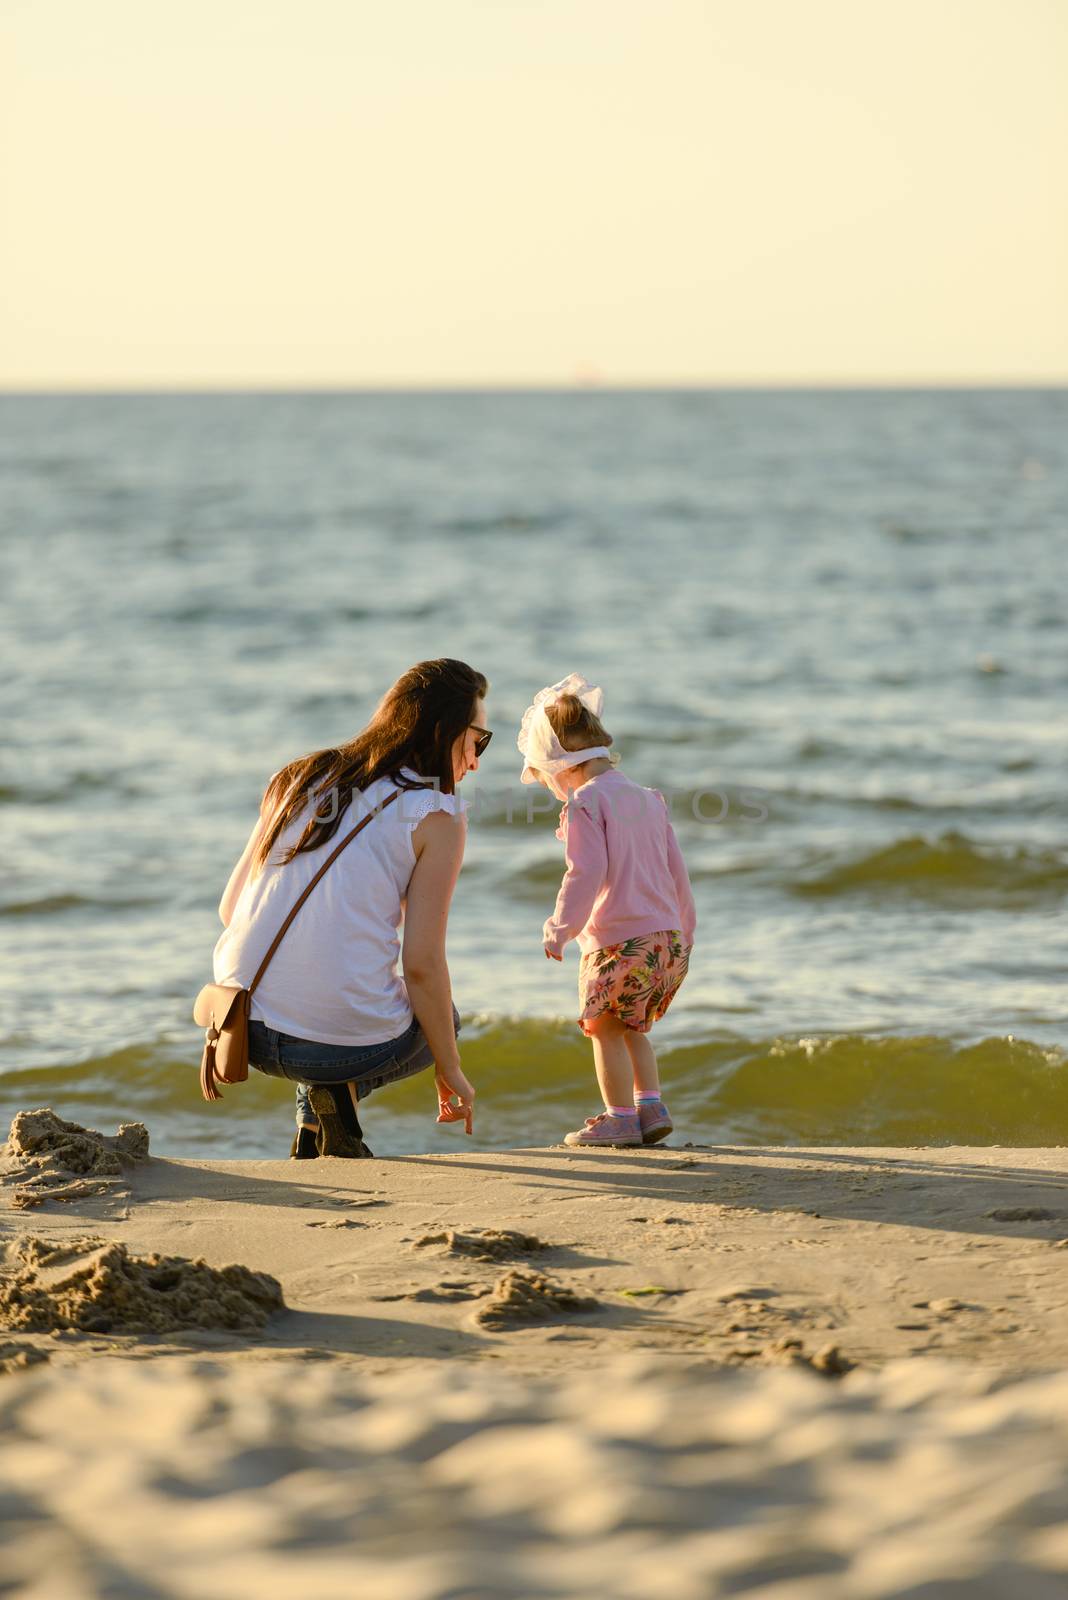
{"points": [[303, 1147], [339, 1133]]}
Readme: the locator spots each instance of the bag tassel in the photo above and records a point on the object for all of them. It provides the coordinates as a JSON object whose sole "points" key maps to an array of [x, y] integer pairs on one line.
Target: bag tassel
{"points": [[207, 1066]]}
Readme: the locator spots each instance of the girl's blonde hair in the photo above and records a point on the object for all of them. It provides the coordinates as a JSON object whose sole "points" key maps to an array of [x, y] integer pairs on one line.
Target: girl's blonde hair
{"points": [[575, 725]]}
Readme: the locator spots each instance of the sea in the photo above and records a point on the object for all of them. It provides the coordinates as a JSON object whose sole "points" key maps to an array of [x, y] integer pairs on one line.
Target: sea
{"points": [[831, 626]]}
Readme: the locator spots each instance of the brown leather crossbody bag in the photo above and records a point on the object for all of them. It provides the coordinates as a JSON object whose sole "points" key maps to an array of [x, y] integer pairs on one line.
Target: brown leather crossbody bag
{"points": [[222, 1010]]}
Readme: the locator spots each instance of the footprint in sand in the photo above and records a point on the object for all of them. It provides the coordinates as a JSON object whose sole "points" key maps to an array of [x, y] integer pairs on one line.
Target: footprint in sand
{"points": [[447, 1291], [650, 1289], [757, 1292]]}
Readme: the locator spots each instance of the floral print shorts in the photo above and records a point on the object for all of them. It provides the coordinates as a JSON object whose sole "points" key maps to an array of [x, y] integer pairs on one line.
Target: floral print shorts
{"points": [[636, 980]]}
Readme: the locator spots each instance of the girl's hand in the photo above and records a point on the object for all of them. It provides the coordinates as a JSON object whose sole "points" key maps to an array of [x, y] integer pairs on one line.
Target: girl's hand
{"points": [[455, 1088]]}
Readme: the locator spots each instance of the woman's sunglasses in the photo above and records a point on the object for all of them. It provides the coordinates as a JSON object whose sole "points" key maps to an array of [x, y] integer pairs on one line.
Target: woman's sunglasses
{"points": [[483, 739]]}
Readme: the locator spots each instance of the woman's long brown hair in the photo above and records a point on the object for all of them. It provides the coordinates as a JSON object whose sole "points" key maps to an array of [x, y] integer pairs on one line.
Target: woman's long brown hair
{"points": [[416, 725]]}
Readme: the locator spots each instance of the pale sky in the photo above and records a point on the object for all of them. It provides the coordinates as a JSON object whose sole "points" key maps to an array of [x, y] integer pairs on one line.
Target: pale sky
{"points": [[255, 193]]}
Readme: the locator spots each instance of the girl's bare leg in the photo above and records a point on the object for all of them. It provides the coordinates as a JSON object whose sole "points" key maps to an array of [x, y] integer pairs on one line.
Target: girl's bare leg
{"points": [[611, 1059], [643, 1063]]}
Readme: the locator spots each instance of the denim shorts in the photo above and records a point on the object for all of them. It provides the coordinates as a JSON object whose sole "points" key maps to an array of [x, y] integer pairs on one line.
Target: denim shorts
{"points": [[368, 1066]]}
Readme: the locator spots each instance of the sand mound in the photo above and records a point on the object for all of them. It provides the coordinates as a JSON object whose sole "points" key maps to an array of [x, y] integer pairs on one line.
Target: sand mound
{"points": [[488, 1244], [529, 1297], [49, 1159], [15, 1354], [99, 1287], [828, 1360]]}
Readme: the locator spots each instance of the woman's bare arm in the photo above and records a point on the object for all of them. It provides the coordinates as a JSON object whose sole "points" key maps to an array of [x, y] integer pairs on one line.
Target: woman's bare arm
{"points": [[439, 845]]}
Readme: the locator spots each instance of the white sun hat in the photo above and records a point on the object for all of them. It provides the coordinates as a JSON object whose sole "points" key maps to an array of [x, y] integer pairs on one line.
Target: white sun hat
{"points": [[538, 743]]}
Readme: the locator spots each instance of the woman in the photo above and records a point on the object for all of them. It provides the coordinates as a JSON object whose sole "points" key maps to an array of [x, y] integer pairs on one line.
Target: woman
{"points": [[332, 1012]]}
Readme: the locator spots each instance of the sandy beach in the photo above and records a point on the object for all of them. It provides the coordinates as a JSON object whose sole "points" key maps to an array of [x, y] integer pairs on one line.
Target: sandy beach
{"points": [[797, 1373]]}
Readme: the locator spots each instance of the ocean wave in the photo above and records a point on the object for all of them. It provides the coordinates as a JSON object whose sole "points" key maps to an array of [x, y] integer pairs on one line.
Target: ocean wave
{"points": [[793, 800], [53, 466], [71, 787], [503, 522], [952, 866], [50, 904], [821, 1089], [402, 611], [535, 1080], [538, 882], [858, 1089]]}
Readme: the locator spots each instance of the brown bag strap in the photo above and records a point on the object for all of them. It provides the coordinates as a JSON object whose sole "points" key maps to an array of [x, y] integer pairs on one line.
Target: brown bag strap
{"points": [[306, 892]]}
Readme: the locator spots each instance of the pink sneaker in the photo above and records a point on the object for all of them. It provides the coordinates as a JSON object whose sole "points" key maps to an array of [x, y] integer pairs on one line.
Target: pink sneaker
{"points": [[655, 1120], [607, 1129]]}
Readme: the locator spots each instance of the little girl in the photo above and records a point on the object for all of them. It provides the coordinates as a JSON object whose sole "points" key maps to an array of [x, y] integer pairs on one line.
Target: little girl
{"points": [[625, 897]]}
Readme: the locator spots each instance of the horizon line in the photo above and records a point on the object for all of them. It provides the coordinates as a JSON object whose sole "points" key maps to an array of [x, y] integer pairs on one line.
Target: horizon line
{"points": [[286, 387]]}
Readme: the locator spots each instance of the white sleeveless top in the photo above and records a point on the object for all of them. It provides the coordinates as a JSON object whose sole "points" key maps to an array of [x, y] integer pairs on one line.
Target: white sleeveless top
{"points": [[335, 976]]}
